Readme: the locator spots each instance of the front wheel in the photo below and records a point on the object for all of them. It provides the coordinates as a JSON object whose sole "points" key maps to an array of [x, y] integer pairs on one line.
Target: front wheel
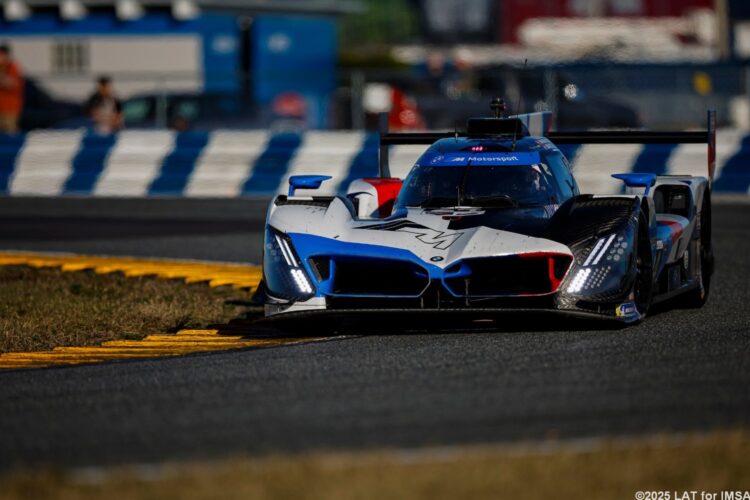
{"points": [[643, 287]]}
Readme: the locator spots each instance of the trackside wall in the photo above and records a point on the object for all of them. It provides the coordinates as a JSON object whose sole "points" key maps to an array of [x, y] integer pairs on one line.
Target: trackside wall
{"points": [[222, 164]]}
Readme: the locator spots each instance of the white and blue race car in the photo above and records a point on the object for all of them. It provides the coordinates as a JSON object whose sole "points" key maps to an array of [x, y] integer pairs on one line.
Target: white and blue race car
{"points": [[489, 221]]}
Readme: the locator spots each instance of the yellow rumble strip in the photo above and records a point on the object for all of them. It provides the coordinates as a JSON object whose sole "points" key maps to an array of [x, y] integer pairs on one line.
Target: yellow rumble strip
{"points": [[216, 274], [153, 346]]}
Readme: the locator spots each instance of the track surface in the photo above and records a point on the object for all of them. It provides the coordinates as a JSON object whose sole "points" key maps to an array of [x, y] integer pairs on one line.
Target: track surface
{"points": [[680, 370], [226, 230]]}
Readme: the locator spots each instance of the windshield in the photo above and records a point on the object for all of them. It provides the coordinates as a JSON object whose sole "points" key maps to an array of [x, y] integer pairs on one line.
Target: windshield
{"points": [[479, 186]]}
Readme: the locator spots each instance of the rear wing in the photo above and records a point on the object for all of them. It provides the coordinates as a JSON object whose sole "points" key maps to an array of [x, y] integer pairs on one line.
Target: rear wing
{"points": [[707, 136]]}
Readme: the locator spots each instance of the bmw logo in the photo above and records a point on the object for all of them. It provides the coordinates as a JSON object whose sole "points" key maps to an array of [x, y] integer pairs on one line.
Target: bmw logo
{"points": [[436, 258]]}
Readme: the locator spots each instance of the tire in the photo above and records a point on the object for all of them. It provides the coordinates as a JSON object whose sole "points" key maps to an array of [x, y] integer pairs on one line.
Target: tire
{"points": [[643, 286], [697, 297]]}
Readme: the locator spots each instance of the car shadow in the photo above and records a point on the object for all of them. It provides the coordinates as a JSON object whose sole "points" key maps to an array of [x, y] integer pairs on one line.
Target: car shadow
{"points": [[389, 322]]}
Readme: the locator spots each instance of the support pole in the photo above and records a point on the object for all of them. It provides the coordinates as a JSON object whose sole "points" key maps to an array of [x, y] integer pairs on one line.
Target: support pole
{"points": [[385, 169]]}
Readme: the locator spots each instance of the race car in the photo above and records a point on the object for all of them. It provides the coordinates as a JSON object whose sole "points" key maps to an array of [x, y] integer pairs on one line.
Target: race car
{"points": [[491, 220]]}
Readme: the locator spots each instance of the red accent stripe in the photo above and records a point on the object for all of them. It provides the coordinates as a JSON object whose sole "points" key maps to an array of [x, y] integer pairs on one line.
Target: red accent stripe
{"points": [[711, 145], [387, 189], [554, 280], [675, 227]]}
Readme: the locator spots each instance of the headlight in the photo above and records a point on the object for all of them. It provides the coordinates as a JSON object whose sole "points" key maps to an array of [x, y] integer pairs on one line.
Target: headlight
{"points": [[605, 267], [285, 276], [609, 248]]}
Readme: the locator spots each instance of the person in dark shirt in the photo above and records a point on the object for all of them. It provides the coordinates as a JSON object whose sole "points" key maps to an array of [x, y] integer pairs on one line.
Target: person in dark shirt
{"points": [[104, 108]]}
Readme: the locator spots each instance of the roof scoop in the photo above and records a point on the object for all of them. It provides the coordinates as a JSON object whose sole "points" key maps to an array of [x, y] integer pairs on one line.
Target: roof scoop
{"points": [[488, 127], [521, 125]]}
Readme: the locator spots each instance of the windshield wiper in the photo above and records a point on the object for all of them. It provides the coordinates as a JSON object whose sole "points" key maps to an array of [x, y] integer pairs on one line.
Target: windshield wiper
{"points": [[462, 186], [499, 200]]}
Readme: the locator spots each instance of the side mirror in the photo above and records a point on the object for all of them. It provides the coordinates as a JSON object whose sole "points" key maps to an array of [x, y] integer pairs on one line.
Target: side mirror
{"points": [[306, 182], [637, 180]]}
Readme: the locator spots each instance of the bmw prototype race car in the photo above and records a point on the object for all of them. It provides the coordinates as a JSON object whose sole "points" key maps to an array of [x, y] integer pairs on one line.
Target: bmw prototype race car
{"points": [[492, 220]]}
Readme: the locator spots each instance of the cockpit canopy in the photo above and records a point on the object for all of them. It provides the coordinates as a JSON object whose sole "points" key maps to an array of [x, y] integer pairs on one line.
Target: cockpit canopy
{"points": [[488, 176]]}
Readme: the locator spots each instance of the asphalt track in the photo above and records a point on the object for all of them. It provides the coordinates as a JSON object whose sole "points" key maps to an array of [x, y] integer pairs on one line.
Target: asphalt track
{"points": [[681, 370]]}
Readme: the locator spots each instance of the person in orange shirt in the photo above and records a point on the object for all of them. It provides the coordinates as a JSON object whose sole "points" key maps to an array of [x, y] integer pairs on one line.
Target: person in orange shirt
{"points": [[11, 92]]}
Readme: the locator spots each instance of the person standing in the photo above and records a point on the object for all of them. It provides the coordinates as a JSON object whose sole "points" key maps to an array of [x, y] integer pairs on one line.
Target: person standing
{"points": [[11, 92], [104, 108]]}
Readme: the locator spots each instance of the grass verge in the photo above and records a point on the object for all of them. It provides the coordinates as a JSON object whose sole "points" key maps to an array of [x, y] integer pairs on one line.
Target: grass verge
{"points": [[713, 463], [42, 308]]}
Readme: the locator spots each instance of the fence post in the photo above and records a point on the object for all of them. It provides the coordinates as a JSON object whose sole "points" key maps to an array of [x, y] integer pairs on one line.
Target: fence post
{"points": [[384, 163], [357, 80]]}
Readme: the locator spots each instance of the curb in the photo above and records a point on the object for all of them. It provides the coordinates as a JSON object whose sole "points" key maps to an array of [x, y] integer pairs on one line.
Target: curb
{"points": [[152, 346], [239, 276]]}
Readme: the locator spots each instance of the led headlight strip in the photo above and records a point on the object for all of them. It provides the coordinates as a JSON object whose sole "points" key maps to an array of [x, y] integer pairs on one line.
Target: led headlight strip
{"points": [[286, 251], [600, 250], [300, 279], [597, 253], [580, 278]]}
